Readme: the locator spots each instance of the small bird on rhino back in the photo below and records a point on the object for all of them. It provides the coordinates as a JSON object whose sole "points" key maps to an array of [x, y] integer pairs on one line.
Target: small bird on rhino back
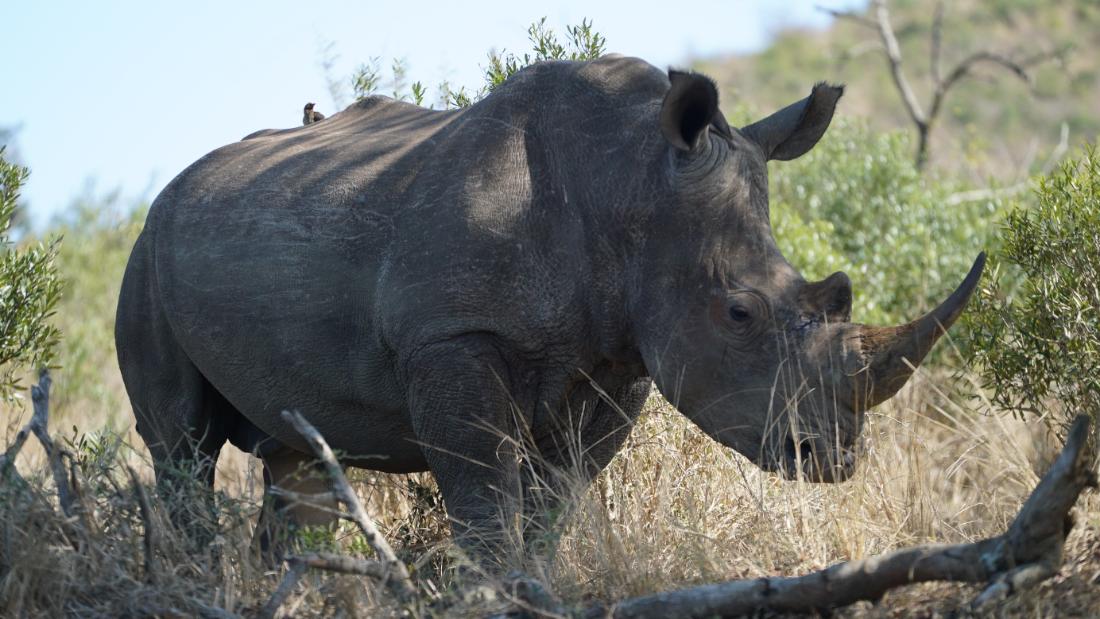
{"points": [[309, 116]]}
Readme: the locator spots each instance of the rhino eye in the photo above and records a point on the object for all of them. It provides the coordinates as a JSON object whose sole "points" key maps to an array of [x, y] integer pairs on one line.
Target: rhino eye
{"points": [[739, 314]]}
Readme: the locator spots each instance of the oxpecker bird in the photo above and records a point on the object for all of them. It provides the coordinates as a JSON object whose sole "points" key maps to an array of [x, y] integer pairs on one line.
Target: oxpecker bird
{"points": [[309, 116]]}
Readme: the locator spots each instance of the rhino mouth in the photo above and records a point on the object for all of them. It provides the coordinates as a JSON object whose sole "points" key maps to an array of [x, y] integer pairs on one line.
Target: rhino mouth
{"points": [[803, 459]]}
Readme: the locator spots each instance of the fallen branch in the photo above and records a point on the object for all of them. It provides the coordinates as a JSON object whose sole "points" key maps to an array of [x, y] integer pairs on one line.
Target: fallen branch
{"points": [[343, 564], [40, 422], [283, 591], [1029, 552], [319, 501], [398, 575]]}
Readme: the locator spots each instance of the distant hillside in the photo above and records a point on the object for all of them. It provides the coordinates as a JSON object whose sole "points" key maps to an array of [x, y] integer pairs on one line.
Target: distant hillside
{"points": [[991, 125]]}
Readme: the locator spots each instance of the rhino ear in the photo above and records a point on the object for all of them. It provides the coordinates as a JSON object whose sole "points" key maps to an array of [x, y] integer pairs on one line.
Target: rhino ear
{"points": [[688, 108], [793, 130]]}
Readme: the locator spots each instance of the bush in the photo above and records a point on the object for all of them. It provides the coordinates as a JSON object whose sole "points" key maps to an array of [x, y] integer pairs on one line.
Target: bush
{"points": [[29, 291], [857, 203], [582, 43], [99, 231], [1036, 327]]}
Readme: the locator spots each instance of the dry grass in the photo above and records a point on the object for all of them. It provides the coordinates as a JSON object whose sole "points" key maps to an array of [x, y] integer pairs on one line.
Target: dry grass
{"points": [[674, 508]]}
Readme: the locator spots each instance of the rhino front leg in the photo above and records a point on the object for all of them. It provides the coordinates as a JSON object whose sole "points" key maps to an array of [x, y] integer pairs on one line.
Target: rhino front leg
{"points": [[462, 414], [590, 433]]}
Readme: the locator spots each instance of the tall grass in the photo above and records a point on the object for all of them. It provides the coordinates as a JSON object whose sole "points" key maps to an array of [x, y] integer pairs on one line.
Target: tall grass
{"points": [[673, 508]]}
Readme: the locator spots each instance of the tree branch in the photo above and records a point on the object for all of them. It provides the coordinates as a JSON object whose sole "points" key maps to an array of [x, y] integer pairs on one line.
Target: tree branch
{"points": [[40, 421], [343, 564], [152, 534], [283, 591], [893, 54], [935, 60], [1003, 192], [848, 15], [398, 579]]}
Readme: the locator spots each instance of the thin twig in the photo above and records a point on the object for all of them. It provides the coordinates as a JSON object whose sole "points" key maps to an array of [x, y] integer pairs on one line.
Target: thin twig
{"points": [[935, 54], [399, 579], [848, 15], [343, 564], [40, 423], [976, 195], [317, 500], [152, 534]]}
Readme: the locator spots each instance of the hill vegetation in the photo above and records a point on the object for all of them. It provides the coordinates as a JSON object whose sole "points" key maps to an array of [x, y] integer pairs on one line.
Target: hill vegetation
{"points": [[995, 126]]}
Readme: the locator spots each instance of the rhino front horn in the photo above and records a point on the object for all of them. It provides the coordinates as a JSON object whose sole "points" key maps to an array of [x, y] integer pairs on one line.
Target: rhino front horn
{"points": [[891, 353]]}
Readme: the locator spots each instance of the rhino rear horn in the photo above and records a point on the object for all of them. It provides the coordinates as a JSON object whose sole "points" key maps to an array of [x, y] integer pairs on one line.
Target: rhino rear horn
{"points": [[688, 109], [793, 130]]}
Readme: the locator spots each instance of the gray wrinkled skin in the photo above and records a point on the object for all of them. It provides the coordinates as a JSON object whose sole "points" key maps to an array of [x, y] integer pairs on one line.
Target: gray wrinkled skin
{"points": [[425, 286]]}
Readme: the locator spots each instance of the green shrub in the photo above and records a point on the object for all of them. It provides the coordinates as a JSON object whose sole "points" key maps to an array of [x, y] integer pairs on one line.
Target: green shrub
{"points": [[99, 233], [582, 43], [857, 203], [1036, 327], [29, 290]]}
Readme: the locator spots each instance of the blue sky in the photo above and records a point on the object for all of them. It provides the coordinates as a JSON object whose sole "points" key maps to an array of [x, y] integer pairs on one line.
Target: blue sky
{"points": [[127, 94]]}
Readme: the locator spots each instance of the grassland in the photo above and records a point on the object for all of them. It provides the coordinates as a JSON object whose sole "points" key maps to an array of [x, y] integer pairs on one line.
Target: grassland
{"points": [[941, 463]]}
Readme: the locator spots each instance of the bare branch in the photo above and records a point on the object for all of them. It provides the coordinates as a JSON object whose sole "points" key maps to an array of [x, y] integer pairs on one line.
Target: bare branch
{"points": [[1030, 551], [848, 15], [7, 459], [343, 564], [283, 591], [398, 579], [966, 65], [934, 63], [975, 195], [152, 534], [893, 54]]}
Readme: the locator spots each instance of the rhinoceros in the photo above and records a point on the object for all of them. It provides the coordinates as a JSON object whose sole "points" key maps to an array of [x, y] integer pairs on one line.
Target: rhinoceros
{"points": [[489, 292]]}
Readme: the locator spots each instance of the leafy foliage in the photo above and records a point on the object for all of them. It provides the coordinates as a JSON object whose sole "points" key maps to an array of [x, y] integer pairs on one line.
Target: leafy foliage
{"points": [[1038, 337], [99, 231], [857, 203], [29, 290], [582, 43]]}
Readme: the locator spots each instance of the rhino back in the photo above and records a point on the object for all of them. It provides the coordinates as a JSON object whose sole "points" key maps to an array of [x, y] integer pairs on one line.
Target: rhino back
{"points": [[302, 268]]}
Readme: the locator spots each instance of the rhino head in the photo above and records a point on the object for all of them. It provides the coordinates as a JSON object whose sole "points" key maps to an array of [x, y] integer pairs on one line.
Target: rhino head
{"points": [[762, 360]]}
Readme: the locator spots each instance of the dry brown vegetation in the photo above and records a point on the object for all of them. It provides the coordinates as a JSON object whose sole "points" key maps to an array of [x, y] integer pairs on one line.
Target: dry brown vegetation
{"points": [[674, 508]]}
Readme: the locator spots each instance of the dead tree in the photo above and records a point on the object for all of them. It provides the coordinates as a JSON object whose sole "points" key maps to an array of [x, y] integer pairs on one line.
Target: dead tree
{"points": [[942, 81]]}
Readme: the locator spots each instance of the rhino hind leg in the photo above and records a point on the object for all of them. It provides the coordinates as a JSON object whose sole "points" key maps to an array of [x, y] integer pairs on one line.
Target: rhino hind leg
{"points": [[172, 404], [282, 518]]}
